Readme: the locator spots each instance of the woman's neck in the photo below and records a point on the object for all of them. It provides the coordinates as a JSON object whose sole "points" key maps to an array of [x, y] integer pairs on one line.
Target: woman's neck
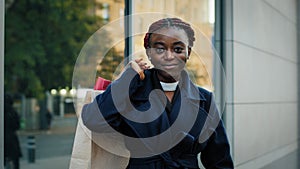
{"points": [[165, 77]]}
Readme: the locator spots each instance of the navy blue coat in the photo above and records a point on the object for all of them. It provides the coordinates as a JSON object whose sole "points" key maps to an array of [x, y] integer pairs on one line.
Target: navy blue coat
{"points": [[182, 129]]}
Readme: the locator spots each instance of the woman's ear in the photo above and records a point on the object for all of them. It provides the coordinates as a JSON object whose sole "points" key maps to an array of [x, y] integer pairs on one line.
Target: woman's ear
{"points": [[189, 52]]}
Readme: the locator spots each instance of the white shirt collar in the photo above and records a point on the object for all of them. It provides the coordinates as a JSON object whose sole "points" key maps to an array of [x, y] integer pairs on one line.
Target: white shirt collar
{"points": [[168, 87]]}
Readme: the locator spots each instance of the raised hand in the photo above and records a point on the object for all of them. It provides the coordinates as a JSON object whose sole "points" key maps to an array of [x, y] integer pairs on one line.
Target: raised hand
{"points": [[139, 66], [143, 65]]}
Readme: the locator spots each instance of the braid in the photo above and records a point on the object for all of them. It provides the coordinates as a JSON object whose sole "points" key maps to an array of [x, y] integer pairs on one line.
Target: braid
{"points": [[170, 22]]}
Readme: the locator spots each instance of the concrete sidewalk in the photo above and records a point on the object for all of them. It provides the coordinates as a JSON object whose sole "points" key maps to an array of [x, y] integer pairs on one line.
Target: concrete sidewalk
{"points": [[47, 163], [53, 147]]}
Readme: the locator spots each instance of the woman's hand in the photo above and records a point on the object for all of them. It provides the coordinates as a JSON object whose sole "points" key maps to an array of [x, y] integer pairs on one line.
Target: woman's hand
{"points": [[143, 65], [139, 66]]}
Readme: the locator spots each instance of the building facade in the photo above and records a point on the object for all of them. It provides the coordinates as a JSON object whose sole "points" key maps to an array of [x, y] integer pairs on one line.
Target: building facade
{"points": [[262, 61]]}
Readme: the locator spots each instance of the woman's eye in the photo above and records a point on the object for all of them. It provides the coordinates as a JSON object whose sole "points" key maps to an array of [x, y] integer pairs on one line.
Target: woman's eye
{"points": [[178, 50], [159, 50]]}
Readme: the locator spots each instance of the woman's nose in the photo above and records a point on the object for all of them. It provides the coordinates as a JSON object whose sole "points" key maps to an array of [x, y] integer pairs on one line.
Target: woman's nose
{"points": [[169, 55]]}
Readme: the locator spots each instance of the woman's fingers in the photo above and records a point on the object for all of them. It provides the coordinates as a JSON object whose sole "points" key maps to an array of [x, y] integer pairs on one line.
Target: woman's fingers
{"points": [[139, 66], [138, 60], [142, 65], [135, 66]]}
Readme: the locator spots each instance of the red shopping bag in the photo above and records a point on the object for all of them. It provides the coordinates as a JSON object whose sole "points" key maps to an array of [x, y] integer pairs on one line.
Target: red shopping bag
{"points": [[101, 83]]}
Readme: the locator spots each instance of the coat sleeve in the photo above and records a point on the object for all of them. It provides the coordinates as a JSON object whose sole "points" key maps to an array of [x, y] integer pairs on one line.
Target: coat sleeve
{"points": [[103, 114], [93, 118], [216, 154]]}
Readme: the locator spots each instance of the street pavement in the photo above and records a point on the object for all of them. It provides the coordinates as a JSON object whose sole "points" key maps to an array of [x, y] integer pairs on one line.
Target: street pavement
{"points": [[53, 146]]}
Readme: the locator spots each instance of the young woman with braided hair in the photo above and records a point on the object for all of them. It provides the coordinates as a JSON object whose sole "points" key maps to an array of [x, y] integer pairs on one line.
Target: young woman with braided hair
{"points": [[189, 114]]}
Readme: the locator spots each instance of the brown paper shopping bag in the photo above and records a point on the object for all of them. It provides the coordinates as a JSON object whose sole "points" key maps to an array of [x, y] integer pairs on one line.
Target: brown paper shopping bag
{"points": [[93, 150]]}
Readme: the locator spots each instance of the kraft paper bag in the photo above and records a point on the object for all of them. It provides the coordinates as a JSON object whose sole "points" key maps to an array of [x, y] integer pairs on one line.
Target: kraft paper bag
{"points": [[93, 150]]}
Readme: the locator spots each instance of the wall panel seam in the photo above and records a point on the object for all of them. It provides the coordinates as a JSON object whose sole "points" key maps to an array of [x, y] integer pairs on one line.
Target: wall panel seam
{"points": [[266, 52], [273, 150], [280, 13], [256, 103]]}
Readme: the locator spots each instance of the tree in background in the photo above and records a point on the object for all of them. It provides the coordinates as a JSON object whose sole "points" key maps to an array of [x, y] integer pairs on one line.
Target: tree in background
{"points": [[42, 41], [106, 70]]}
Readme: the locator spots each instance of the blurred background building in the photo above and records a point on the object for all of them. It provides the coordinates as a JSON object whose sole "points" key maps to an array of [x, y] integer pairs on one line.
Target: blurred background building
{"points": [[247, 54]]}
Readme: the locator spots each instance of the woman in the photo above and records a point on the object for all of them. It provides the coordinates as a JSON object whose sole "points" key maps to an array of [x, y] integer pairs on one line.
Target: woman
{"points": [[166, 120]]}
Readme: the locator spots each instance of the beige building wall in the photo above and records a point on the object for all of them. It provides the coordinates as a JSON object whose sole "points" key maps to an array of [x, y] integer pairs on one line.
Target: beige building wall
{"points": [[265, 115]]}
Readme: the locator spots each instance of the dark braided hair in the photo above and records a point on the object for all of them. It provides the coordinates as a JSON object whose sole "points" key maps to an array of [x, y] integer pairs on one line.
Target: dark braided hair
{"points": [[167, 23]]}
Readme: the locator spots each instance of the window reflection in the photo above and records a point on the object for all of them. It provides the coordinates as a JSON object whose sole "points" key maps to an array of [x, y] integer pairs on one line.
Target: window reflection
{"points": [[200, 13]]}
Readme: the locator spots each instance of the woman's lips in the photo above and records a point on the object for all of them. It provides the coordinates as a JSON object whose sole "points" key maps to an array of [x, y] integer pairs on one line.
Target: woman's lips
{"points": [[171, 66]]}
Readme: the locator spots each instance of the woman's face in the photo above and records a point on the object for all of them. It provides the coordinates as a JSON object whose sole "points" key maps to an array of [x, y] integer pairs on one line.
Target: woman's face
{"points": [[168, 52]]}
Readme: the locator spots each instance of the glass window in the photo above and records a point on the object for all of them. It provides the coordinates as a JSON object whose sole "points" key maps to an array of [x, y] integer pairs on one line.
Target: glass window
{"points": [[42, 42]]}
